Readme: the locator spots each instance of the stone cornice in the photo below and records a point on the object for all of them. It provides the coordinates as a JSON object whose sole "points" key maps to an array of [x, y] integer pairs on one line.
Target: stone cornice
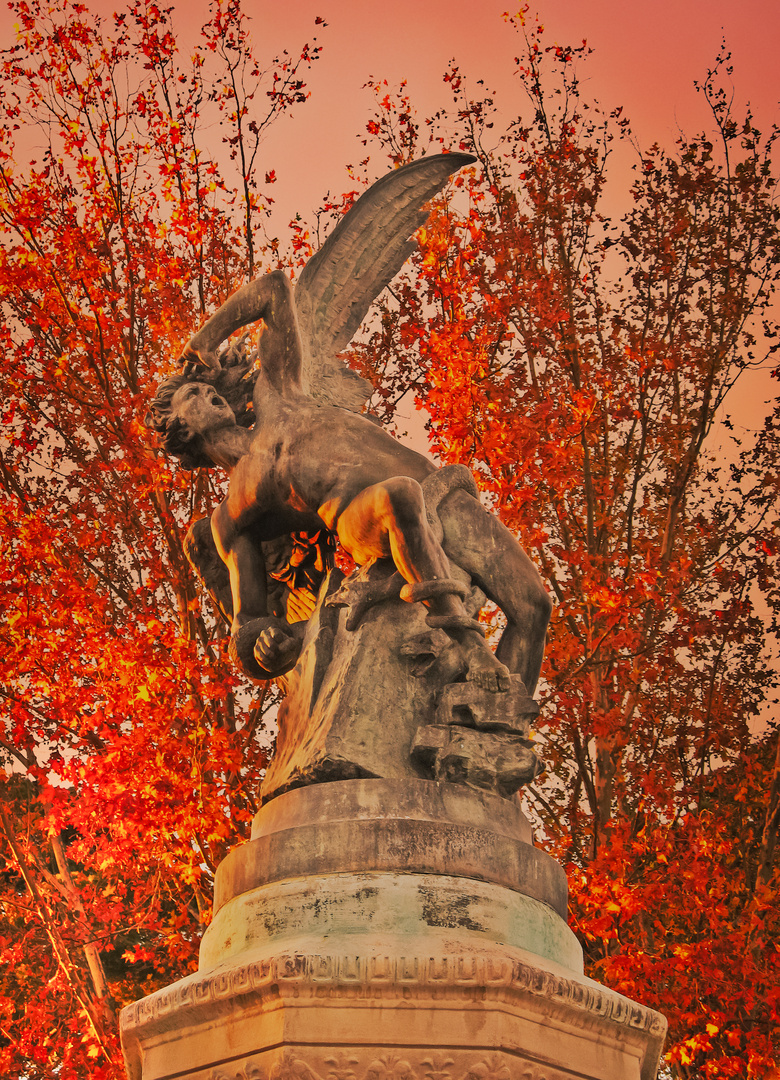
{"points": [[456, 976]]}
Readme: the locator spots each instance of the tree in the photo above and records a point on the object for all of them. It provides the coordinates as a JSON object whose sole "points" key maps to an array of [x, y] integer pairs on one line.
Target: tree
{"points": [[131, 750], [580, 365]]}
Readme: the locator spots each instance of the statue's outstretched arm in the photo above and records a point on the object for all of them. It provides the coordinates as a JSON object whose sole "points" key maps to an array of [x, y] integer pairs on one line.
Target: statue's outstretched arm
{"points": [[243, 556], [269, 298], [264, 645]]}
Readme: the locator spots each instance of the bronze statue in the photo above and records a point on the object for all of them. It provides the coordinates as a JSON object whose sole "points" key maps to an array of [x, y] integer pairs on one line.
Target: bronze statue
{"points": [[303, 459]]}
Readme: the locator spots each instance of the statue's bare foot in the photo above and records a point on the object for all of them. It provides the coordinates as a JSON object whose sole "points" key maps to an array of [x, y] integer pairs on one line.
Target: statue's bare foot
{"points": [[486, 670]]}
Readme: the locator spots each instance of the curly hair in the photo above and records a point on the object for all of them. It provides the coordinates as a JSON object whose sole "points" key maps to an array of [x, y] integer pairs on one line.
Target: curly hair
{"points": [[234, 381]]}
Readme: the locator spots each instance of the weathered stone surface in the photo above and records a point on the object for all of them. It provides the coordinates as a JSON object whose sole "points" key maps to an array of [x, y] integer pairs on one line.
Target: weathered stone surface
{"points": [[467, 705], [378, 799], [487, 760], [372, 965], [480, 739], [373, 695], [461, 1014], [398, 912], [413, 846], [354, 703], [420, 828]]}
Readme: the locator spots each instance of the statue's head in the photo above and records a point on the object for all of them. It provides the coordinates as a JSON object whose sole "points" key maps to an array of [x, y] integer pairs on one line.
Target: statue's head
{"points": [[187, 408]]}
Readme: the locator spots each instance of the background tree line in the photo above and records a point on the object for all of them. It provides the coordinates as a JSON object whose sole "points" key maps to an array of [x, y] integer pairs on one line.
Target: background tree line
{"points": [[578, 363]]}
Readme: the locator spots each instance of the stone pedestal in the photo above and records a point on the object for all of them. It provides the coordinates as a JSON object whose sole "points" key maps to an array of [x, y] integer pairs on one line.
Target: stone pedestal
{"points": [[382, 930]]}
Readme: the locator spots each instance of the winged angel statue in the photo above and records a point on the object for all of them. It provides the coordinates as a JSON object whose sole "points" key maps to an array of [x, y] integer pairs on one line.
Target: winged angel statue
{"points": [[306, 464]]}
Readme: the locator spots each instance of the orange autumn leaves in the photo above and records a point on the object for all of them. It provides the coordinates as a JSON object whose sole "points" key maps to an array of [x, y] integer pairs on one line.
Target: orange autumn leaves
{"points": [[132, 752], [579, 364]]}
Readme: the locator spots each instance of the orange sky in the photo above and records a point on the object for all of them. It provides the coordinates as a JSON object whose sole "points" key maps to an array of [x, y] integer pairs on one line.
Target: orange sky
{"points": [[646, 58]]}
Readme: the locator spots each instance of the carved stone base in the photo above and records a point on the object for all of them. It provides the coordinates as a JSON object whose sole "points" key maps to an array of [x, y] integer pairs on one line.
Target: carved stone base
{"points": [[377, 930], [352, 1016]]}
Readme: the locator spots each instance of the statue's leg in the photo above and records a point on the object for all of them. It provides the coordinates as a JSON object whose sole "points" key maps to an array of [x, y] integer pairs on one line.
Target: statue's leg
{"points": [[389, 520], [481, 545]]}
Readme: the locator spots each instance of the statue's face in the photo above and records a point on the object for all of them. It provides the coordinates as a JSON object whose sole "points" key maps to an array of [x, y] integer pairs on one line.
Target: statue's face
{"points": [[201, 408]]}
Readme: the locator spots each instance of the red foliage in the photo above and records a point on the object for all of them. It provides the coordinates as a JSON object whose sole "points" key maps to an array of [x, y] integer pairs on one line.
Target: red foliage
{"points": [[132, 752], [578, 364]]}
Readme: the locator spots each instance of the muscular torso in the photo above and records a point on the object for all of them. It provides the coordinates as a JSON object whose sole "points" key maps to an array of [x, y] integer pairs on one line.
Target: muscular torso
{"points": [[306, 463]]}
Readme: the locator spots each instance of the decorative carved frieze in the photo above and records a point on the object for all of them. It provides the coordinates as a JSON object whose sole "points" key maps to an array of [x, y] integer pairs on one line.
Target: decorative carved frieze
{"points": [[389, 977], [374, 1063]]}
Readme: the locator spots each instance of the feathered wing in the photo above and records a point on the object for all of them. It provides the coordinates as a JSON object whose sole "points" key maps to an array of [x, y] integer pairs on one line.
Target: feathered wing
{"points": [[360, 257]]}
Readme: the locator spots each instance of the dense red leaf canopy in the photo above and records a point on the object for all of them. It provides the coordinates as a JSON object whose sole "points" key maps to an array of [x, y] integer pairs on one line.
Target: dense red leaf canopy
{"points": [[582, 366]]}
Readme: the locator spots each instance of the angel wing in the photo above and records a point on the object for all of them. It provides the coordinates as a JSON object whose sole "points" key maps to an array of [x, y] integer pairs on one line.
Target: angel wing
{"points": [[339, 283], [361, 256]]}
